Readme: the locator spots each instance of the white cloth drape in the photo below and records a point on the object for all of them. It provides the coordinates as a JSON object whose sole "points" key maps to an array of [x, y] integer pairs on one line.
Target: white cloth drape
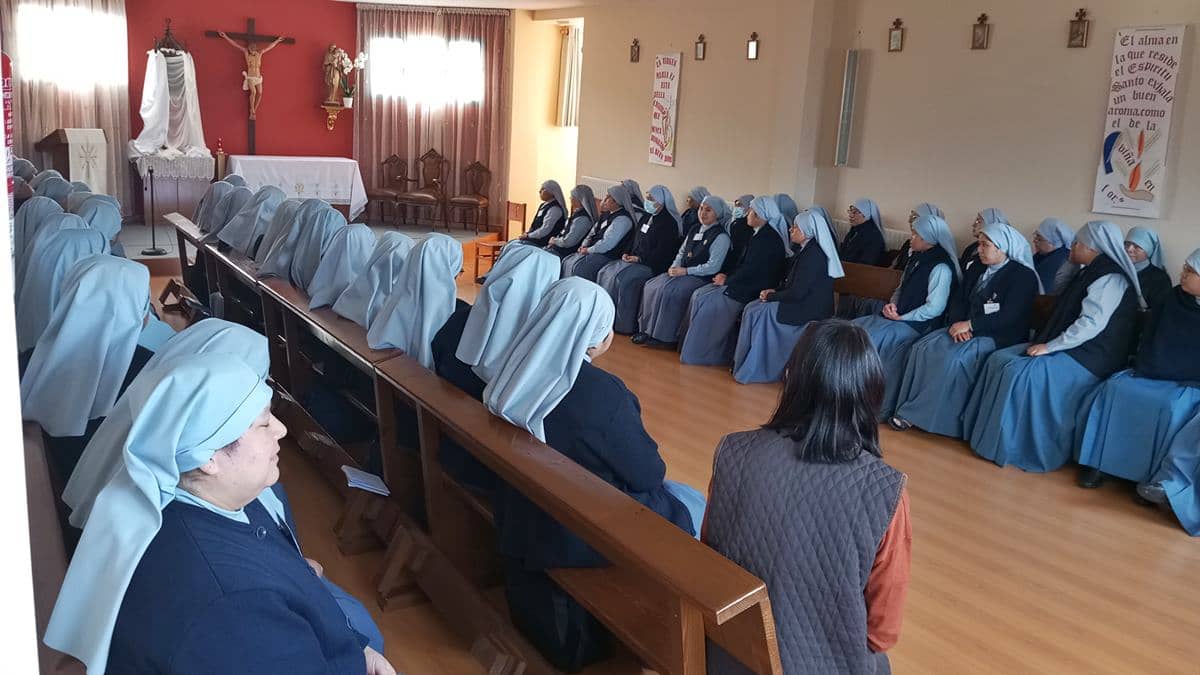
{"points": [[171, 107]]}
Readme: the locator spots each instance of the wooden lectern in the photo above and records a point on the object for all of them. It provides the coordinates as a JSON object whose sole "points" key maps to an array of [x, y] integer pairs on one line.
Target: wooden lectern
{"points": [[79, 155]]}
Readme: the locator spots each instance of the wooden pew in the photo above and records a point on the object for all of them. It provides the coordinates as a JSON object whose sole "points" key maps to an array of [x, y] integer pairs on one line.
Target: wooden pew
{"points": [[867, 281], [190, 301], [235, 278]]}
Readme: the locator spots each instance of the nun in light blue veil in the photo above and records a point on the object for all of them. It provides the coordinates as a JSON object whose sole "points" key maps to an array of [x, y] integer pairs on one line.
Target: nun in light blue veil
{"points": [[24, 169], [941, 372], [105, 218], [55, 188], [51, 224], [345, 259], [608, 238], [361, 300], [695, 197], [1152, 273], [284, 220], [53, 257], [29, 219], [789, 209], [201, 217], [1052, 264], [316, 233], [43, 175], [225, 209], [625, 279], [246, 227], [235, 180], [278, 259], [422, 300]]}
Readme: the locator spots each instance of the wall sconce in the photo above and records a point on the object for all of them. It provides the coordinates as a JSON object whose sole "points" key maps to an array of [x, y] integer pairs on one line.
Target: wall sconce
{"points": [[635, 51], [752, 47], [701, 47]]}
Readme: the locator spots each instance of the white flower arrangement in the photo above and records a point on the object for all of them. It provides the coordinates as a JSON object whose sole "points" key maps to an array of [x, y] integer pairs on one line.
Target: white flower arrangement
{"points": [[348, 67]]}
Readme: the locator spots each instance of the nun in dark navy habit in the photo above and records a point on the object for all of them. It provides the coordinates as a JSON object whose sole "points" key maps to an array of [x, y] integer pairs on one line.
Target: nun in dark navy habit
{"points": [[1149, 259], [583, 217], [852, 306], [787, 206], [969, 255], [691, 206], [609, 238], [864, 242], [550, 220], [1136, 414], [654, 245], [1026, 405], [710, 330], [548, 386], [739, 232], [918, 305], [665, 298], [772, 325], [991, 311], [1051, 254]]}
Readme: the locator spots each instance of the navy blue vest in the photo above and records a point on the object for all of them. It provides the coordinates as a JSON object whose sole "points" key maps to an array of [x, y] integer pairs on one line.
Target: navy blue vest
{"points": [[1048, 264], [914, 289], [695, 251], [1168, 350], [602, 225], [1106, 353], [540, 217]]}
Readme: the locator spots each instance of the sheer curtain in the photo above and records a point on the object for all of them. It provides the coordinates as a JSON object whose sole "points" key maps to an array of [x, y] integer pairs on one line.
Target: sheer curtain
{"points": [[70, 69], [433, 88], [570, 75]]}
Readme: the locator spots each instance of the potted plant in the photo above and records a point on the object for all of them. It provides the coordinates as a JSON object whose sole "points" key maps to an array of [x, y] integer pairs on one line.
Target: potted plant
{"points": [[350, 71]]}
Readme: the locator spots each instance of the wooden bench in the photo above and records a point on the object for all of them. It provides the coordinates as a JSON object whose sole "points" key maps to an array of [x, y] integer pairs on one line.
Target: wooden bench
{"points": [[190, 301], [867, 281], [235, 278]]}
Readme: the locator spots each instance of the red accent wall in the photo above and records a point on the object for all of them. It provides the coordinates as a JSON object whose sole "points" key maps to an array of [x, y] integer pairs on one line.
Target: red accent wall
{"points": [[290, 119]]}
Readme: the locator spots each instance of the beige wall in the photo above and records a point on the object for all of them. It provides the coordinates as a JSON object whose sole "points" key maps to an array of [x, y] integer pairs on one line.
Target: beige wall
{"points": [[1017, 126]]}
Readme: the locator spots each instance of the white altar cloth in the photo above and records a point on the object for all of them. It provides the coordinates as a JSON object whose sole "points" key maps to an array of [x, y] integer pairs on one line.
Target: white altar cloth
{"points": [[336, 180]]}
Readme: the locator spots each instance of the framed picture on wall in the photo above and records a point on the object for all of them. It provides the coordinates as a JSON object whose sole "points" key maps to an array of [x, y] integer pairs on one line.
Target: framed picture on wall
{"points": [[896, 36], [981, 33], [1078, 36]]}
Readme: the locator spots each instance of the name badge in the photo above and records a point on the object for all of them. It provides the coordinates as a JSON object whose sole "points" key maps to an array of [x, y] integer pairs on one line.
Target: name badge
{"points": [[991, 307], [697, 237], [645, 228]]}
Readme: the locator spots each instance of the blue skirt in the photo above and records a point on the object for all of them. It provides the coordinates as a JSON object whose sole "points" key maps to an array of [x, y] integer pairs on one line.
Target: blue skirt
{"points": [[764, 344], [1023, 411], [356, 615], [1130, 422], [938, 381], [710, 333], [692, 499], [1179, 474], [664, 301], [624, 282], [893, 340], [584, 266]]}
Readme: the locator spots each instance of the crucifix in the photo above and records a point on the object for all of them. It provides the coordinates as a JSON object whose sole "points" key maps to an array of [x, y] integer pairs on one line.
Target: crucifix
{"points": [[252, 77]]}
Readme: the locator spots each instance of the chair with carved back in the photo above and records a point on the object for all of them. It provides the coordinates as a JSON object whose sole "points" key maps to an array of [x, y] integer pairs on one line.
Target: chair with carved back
{"points": [[490, 250], [431, 190], [393, 178], [473, 199]]}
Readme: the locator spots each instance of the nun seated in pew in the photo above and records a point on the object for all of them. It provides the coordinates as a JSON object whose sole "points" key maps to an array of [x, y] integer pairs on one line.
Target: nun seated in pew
{"points": [[21, 192], [24, 169], [691, 206], [583, 217], [1149, 259], [991, 311], [918, 306], [473, 343], [787, 207], [1136, 414], [665, 298], [1173, 485], [709, 334], [246, 228], [772, 326], [550, 220], [970, 254], [105, 217], [864, 243], [344, 259], [739, 232], [55, 254], [284, 239], [224, 211], [1026, 405], [55, 188], [654, 245], [1051, 254], [548, 386], [189, 561], [361, 300], [852, 307], [609, 238], [25, 247]]}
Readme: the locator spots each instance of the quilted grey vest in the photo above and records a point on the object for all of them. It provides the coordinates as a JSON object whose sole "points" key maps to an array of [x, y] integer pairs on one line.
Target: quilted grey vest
{"points": [[811, 532]]}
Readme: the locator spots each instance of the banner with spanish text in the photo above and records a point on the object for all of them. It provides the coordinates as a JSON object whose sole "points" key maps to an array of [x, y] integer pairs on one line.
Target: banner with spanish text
{"points": [[664, 103]]}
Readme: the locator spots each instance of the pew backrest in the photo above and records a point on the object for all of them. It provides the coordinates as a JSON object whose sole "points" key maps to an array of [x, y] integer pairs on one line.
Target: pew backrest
{"points": [[868, 281]]}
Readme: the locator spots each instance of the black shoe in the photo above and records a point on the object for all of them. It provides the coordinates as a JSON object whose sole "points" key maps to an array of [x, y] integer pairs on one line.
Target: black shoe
{"points": [[480, 280], [1153, 493], [659, 344], [639, 338], [1089, 478], [899, 423]]}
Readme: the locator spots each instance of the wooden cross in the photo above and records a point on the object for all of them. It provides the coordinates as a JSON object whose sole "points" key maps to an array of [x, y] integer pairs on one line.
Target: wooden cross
{"points": [[251, 39]]}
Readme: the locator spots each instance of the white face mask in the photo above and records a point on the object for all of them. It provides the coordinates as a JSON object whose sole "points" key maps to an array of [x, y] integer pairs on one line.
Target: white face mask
{"points": [[649, 205], [738, 212]]}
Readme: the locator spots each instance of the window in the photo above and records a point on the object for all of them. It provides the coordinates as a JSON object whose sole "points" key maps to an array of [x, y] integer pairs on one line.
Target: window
{"points": [[426, 70], [72, 47]]}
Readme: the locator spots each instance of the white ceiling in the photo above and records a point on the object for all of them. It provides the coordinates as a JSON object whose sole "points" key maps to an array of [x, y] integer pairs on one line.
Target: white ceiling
{"points": [[491, 4]]}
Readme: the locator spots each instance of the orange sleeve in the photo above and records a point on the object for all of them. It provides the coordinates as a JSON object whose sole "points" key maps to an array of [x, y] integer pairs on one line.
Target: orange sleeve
{"points": [[887, 587]]}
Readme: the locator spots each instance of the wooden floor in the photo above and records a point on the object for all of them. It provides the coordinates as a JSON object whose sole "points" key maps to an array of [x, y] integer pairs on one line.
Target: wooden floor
{"points": [[1012, 572]]}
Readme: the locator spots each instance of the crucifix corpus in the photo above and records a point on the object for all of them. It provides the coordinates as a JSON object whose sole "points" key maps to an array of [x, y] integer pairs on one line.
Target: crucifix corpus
{"points": [[252, 76]]}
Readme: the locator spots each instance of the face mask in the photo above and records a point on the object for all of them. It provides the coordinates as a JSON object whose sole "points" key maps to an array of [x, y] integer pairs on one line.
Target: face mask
{"points": [[649, 205], [738, 212]]}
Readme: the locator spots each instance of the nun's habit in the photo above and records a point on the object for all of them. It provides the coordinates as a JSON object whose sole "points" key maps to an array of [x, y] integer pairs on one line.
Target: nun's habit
{"points": [[361, 300], [1023, 410], [1179, 474], [1152, 272], [547, 386], [422, 300], [202, 216], [1050, 265], [739, 232], [345, 259], [235, 180], [42, 176], [24, 169], [609, 239], [51, 259], [49, 226], [998, 301], [550, 220], [579, 223], [164, 580], [55, 188], [771, 329], [691, 215], [970, 254], [246, 227], [316, 233], [284, 220], [921, 300], [788, 207], [105, 218], [29, 219], [864, 243], [665, 298], [21, 193], [654, 245], [229, 206], [709, 334]]}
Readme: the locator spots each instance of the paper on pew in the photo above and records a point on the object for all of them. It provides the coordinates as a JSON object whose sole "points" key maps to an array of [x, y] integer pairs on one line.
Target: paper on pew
{"points": [[362, 480]]}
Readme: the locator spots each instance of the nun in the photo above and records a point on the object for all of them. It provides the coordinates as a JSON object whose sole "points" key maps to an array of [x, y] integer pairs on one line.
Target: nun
{"points": [[29, 219], [1024, 409], [102, 216], [918, 306], [235, 180], [548, 386], [285, 232], [316, 233], [202, 216], [281, 223], [1051, 254], [80, 186], [852, 306], [551, 217], [423, 299], [739, 232], [55, 188], [787, 206], [21, 193], [1174, 483], [361, 300], [1146, 252], [985, 217], [246, 228], [49, 226], [710, 332], [691, 207], [1136, 414], [346, 258], [654, 245], [51, 259], [665, 298], [43, 175], [187, 515], [772, 326], [229, 206], [24, 169], [864, 243], [609, 239], [583, 217], [992, 311]]}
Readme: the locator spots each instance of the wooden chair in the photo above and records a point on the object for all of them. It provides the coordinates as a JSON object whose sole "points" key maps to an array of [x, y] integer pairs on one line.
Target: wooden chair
{"points": [[395, 175], [490, 250], [477, 178], [431, 191]]}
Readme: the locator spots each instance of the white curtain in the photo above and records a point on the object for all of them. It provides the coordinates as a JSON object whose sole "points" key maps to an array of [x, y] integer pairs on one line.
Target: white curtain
{"points": [[570, 75]]}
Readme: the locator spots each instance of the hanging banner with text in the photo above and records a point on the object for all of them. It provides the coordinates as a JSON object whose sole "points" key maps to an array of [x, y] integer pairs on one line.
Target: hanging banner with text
{"points": [[1133, 159], [664, 103]]}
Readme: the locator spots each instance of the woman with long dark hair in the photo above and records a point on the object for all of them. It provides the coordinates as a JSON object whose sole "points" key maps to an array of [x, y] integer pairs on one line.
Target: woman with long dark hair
{"points": [[808, 505]]}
